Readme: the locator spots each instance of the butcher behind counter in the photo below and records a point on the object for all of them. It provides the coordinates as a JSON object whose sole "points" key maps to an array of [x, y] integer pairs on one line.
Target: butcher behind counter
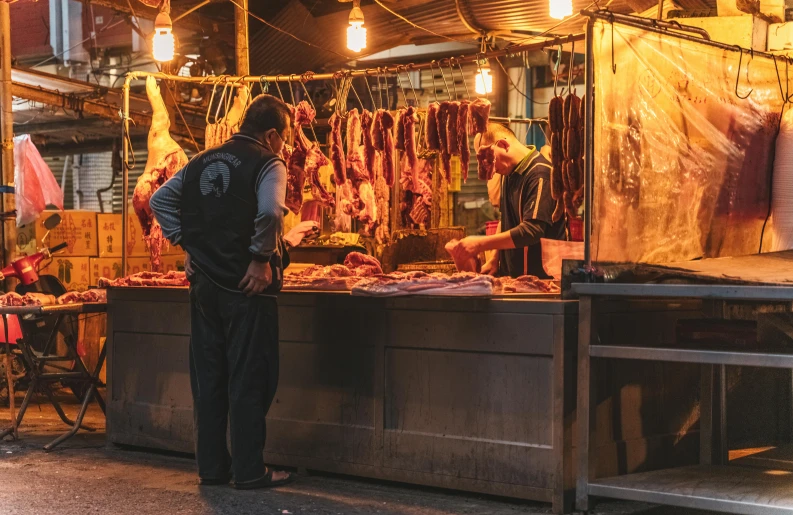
{"points": [[526, 209]]}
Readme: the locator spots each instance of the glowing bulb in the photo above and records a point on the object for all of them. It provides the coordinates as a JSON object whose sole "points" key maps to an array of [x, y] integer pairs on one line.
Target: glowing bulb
{"points": [[356, 37], [356, 32], [560, 9], [484, 81], [163, 42]]}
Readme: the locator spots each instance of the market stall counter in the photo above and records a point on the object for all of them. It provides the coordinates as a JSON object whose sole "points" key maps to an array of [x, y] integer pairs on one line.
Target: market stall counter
{"points": [[468, 393], [463, 393]]}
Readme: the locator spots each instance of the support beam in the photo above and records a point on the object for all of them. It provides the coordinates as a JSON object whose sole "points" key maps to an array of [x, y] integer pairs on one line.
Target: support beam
{"points": [[242, 37], [7, 128]]}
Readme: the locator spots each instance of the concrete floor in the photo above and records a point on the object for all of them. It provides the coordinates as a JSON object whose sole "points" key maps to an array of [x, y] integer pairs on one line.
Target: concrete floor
{"points": [[85, 476]]}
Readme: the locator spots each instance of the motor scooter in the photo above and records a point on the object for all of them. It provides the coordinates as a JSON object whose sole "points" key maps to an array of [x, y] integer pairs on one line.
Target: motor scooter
{"points": [[37, 329]]}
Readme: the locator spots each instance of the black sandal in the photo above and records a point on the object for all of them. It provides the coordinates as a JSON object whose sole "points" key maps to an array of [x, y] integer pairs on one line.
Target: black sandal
{"points": [[265, 482]]}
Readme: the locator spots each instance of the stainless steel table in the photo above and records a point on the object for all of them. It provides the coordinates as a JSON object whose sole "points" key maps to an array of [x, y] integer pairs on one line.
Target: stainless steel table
{"points": [[36, 361], [713, 484]]}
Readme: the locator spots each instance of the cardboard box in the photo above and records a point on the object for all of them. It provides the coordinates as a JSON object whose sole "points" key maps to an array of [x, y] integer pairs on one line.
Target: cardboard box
{"points": [[110, 237], [138, 264], [77, 229], [26, 240], [172, 263], [73, 272], [105, 267]]}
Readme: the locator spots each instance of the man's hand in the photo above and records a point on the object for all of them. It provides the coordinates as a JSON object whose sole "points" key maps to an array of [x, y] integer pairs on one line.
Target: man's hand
{"points": [[301, 231], [257, 278], [469, 247], [491, 267], [188, 266]]}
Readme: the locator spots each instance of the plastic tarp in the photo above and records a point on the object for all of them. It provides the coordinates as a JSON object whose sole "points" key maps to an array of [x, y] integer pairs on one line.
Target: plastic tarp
{"points": [[35, 186], [682, 164]]}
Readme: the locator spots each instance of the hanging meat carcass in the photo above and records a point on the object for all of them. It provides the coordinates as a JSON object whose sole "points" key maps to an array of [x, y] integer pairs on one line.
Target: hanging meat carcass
{"points": [[165, 158]]}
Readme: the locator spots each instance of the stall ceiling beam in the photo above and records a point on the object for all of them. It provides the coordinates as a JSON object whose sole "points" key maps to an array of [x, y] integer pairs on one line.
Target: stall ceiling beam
{"points": [[310, 76], [103, 108]]}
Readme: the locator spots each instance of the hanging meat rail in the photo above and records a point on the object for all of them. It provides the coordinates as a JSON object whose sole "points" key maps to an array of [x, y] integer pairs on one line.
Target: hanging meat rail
{"points": [[305, 77]]}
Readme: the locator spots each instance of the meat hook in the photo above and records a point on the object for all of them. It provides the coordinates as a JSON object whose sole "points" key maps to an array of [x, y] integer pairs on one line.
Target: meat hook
{"points": [[556, 71], [432, 75], [280, 94], [465, 83], [570, 69], [371, 95], [613, 64], [211, 100], [782, 93], [264, 85], [479, 58], [410, 81], [311, 103], [399, 83], [451, 70], [738, 75], [445, 84]]}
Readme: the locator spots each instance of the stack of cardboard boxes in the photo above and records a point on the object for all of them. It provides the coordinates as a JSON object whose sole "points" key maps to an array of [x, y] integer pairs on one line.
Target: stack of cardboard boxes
{"points": [[93, 248]]}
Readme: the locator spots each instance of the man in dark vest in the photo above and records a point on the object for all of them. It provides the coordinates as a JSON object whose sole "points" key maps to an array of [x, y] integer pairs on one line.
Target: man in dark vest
{"points": [[226, 209]]}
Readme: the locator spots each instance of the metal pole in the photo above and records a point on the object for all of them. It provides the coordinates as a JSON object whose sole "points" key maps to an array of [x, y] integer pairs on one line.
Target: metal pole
{"points": [[125, 140], [589, 142], [7, 129], [241, 26]]}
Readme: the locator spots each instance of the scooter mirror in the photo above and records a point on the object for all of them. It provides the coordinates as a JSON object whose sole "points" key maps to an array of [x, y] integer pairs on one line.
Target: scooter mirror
{"points": [[52, 222]]}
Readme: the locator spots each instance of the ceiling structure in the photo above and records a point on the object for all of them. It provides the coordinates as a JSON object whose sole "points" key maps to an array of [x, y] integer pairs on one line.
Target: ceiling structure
{"points": [[86, 116]]}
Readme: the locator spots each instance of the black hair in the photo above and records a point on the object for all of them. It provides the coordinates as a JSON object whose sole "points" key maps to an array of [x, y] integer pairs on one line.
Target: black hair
{"points": [[266, 112], [495, 132]]}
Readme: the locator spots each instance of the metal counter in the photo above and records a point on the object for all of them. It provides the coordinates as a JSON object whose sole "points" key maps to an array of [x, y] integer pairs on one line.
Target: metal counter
{"points": [[473, 394]]}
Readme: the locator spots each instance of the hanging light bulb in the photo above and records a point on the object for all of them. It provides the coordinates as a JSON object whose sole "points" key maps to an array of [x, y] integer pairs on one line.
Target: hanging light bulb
{"points": [[484, 80], [163, 42], [356, 32], [560, 9]]}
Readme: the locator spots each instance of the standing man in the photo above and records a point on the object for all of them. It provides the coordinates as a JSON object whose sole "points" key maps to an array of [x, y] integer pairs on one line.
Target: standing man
{"points": [[226, 209], [526, 208]]}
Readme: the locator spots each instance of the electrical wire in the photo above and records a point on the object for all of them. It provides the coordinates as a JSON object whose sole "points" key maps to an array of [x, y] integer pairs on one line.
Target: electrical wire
{"points": [[524, 95], [417, 26], [76, 45], [282, 31]]}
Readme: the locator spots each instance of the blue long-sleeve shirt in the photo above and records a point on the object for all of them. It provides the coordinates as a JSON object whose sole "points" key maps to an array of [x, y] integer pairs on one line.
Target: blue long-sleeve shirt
{"points": [[271, 208]]}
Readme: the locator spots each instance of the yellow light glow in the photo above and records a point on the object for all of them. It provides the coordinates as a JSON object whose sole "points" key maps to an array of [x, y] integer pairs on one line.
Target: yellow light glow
{"points": [[356, 36], [560, 9], [484, 82], [163, 45]]}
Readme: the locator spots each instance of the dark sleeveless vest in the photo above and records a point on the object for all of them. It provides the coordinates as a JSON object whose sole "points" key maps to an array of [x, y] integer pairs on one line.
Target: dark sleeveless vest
{"points": [[219, 206]]}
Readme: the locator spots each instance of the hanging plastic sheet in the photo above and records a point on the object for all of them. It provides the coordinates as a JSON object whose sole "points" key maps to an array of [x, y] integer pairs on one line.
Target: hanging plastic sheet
{"points": [[36, 187], [682, 163]]}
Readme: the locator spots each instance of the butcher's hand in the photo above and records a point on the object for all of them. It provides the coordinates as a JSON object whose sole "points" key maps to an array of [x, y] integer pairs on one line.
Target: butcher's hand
{"points": [[491, 267], [257, 278], [468, 247], [301, 231], [188, 266]]}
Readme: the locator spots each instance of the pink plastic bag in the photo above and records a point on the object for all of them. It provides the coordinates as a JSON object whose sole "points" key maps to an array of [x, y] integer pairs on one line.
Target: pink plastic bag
{"points": [[36, 187]]}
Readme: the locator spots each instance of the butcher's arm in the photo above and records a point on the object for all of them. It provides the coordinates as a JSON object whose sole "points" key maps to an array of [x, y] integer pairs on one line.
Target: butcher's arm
{"points": [[166, 206], [269, 223]]}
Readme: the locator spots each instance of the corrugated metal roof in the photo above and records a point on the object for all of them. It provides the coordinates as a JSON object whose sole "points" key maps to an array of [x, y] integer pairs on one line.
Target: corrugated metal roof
{"points": [[274, 52]]}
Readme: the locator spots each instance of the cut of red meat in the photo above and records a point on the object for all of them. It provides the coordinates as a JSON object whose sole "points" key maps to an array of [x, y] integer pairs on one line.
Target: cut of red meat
{"points": [[400, 130], [410, 119], [337, 151], [462, 137], [432, 139], [387, 122], [441, 118], [368, 144], [486, 160], [356, 259], [304, 113], [480, 114], [452, 138]]}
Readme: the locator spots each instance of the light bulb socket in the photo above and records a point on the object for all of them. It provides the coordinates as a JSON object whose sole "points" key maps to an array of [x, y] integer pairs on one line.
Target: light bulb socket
{"points": [[356, 15], [163, 21]]}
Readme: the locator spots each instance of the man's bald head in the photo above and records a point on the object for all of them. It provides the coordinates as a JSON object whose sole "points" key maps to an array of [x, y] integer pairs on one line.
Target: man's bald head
{"points": [[494, 133]]}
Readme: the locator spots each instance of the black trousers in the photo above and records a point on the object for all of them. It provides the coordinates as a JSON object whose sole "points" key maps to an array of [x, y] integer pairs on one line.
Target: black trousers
{"points": [[233, 375]]}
